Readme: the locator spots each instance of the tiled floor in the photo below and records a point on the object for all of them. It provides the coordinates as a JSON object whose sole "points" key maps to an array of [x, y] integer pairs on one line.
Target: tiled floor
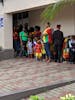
{"points": [[55, 94], [24, 74]]}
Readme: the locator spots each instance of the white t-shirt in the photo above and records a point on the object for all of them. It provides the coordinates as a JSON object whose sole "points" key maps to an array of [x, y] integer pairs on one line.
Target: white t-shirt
{"points": [[29, 45]]}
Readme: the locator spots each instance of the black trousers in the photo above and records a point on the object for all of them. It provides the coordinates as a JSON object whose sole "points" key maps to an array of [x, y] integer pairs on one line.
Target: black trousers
{"points": [[58, 52], [25, 46], [72, 55]]}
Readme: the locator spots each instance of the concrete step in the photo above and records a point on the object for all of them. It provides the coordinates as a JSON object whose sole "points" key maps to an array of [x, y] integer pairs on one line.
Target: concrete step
{"points": [[56, 93], [24, 94]]}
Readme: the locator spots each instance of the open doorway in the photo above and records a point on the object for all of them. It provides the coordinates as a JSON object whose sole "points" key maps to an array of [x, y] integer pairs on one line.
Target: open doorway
{"points": [[18, 20]]}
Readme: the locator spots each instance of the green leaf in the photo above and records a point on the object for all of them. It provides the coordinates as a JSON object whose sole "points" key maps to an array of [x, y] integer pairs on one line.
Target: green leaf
{"points": [[33, 97], [52, 10]]}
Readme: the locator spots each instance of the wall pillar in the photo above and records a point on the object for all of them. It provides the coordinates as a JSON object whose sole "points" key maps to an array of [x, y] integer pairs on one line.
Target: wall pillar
{"points": [[7, 38], [8, 31]]}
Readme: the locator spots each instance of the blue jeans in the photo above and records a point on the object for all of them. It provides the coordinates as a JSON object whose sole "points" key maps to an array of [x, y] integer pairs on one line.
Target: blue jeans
{"points": [[72, 55], [16, 45], [47, 48]]}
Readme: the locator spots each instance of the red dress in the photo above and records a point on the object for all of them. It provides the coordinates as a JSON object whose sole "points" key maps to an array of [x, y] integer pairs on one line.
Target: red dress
{"points": [[38, 48]]}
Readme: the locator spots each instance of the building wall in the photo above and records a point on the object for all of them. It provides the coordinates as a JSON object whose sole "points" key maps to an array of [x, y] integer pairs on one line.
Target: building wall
{"points": [[8, 31], [34, 17], [1, 28], [6, 40], [74, 17], [21, 5], [65, 17]]}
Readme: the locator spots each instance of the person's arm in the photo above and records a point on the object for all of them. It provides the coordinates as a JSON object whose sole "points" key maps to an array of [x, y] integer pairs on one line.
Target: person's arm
{"points": [[21, 41], [70, 44], [45, 32], [62, 36], [20, 38], [26, 34], [53, 36]]}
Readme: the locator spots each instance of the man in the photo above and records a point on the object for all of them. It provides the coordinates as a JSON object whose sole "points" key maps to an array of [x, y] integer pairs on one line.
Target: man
{"points": [[58, 42], [47, 39]]}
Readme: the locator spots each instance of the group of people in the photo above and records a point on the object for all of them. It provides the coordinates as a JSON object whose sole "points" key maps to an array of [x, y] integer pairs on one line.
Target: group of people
{"points": [[30, 42]]}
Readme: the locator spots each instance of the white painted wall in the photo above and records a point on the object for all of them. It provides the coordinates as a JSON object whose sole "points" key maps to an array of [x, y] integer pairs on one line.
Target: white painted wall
{"points": [[1, 8], [19, 5], [1, 29], [34, 17], [6, 41], [1, 34], [65, 18], [8, 31], [74, 16]]}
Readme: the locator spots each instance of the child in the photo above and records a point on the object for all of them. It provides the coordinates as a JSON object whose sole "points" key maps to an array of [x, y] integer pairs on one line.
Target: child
{"points": [[34, 43], [29, 48], [38, 50]]}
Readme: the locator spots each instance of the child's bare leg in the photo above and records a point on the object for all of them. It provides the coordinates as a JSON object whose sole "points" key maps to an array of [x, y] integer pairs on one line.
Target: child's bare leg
{"points": [[31, 55]]}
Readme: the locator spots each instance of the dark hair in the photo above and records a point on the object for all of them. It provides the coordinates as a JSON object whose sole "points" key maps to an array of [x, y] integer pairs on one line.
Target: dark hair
{"points": [[58, 26], [20, 28], [31, 29], [48, 24], [26, 27], [37, 28], [26, 24]]}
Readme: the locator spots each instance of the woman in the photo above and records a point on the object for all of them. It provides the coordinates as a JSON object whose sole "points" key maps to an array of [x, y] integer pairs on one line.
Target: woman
{"points": [[47, 39], [23, 39]]}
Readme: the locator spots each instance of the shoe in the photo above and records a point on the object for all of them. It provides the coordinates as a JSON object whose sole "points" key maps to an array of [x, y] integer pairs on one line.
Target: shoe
{"points": [[55, 60], [59, 61], [71, 62], [49, 60]]}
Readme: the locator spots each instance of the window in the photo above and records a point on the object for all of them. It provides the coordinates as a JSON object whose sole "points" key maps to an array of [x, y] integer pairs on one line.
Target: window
{"points": [[15, 17], [19, 15], [25, 14]]}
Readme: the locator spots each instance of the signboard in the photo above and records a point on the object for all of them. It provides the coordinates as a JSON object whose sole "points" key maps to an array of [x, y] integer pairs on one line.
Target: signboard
{"points": [[1, 22]]}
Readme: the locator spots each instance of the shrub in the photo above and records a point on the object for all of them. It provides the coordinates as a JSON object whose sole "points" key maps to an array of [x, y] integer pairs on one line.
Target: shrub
{"points": [[68, 97], [35, 97]]}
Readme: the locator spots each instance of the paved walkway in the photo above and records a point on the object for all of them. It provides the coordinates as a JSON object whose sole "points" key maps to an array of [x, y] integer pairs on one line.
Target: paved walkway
{"points": [[24, 74], [55, 94]]}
